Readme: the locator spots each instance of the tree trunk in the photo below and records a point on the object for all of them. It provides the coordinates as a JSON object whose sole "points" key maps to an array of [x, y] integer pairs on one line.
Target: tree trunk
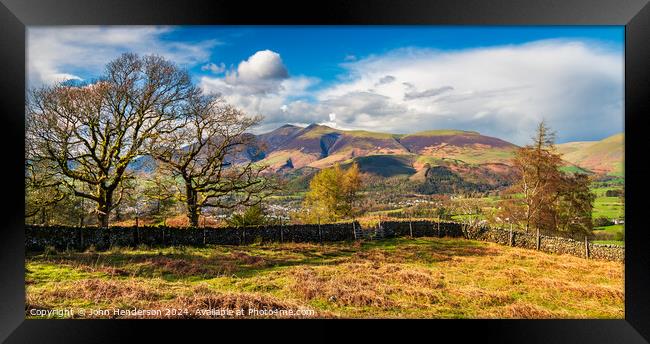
{"points": [[104, 207], [192, 207], [102, 219]]}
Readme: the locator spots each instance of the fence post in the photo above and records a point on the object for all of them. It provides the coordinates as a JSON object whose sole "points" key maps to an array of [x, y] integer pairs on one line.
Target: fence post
{"points": [[411, 228], [204, 236], [586, 247], [354, 231], [538, 239], [320, 234]]}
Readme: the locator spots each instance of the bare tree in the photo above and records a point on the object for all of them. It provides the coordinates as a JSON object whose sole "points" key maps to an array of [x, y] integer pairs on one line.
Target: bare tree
{"points": [[91, 133], [208, 154]]}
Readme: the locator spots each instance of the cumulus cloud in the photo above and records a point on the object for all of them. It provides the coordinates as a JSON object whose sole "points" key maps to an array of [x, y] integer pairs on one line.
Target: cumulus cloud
{"points": [[57, 54], [261, 85], [261, 66], [262, 73]]}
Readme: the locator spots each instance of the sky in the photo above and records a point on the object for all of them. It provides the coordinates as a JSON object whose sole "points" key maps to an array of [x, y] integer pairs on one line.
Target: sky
{"points": [[499, 81]]}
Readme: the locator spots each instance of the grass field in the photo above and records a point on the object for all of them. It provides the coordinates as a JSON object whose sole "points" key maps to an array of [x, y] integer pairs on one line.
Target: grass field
{"points": [[413, 278], [611, 208]]}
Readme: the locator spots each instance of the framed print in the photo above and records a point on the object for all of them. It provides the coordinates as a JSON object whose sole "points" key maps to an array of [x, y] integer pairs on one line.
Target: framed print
{"points": [[461, 164]]}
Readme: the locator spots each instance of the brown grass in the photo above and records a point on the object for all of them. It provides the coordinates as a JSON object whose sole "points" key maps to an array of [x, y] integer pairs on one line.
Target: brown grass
{"points": [[401, 278]]}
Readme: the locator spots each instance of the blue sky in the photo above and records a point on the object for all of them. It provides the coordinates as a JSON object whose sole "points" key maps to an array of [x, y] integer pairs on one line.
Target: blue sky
{"points": [[496, 80]]}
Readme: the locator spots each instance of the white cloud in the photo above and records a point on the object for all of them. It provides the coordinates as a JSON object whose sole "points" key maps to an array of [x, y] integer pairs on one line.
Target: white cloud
{"points": [[214, 68], [263, 65], [261, 74], [500, 91], [261, 85], [276, 99], [61, 53]]}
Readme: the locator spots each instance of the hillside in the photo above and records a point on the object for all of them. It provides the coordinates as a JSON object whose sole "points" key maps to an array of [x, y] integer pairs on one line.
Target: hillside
{"points": [[466, 159], [320, 146], [604, 156], [466, 146]]}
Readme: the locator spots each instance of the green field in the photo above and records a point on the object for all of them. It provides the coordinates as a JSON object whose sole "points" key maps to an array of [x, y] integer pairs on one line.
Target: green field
{"points": [[396, 278], [610, 208]]}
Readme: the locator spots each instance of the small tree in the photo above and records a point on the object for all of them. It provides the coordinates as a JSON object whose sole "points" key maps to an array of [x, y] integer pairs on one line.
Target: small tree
{"points": [[544, 197], [324, 198], [538, 168], [351, 186], [161, 191], [332, 194], [252, 216], [575, 205]]}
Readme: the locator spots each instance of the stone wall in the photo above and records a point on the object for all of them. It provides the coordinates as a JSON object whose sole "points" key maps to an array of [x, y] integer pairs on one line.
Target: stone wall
{"points": [[548, 244], [422, 229], [39, 237]]}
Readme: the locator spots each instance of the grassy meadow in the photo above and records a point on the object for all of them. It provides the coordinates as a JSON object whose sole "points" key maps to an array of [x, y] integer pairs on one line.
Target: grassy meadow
{"points": [[610, 208], [395, 278]]}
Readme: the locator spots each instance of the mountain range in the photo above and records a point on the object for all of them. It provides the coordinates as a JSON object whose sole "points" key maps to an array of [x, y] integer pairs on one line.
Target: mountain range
{"points": [[321, 146], [439, 161]]}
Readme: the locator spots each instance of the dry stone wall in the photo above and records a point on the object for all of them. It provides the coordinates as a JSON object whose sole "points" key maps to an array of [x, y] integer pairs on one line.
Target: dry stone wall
{"points": [[557, 245], [39, 237]]}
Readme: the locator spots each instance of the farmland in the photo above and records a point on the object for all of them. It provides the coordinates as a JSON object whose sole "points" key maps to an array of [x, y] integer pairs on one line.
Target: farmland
{"points": [[405, 278]]}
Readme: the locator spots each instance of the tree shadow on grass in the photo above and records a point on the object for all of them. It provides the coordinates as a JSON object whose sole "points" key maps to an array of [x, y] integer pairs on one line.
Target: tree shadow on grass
{"points": [[195, 264], [239, 261]]}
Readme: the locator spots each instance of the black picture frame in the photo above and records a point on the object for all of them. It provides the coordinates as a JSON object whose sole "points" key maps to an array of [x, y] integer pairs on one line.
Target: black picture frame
{"points": [[15, 15]]}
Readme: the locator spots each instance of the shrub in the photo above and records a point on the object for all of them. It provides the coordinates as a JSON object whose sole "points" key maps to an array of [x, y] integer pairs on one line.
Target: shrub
{"points": [[252, 216], [602, 221]]}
